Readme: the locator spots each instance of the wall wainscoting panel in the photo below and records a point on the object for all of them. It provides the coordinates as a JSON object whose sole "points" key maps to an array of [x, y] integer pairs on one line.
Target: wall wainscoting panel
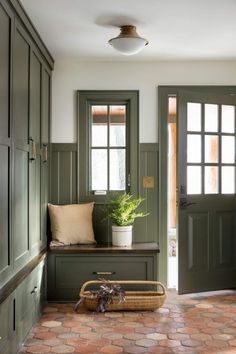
{"points": [[64, 174], [146, 229], [64, 189]]}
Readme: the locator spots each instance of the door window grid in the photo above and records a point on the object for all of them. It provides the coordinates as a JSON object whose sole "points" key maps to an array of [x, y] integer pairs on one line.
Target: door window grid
{"points": [[108, 148], [215, 173]]}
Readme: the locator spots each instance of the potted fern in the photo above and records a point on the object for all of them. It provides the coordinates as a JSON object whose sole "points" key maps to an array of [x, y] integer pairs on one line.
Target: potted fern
{"points": [[122, 212]]}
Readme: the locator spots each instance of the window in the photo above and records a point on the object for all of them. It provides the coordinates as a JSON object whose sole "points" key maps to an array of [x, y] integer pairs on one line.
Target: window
{"points": [[210, 148], [108, 147], [108, 143]]}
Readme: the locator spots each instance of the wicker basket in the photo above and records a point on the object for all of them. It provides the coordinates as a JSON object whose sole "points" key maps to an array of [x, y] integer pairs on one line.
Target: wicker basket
{"points": [[134, 300]]}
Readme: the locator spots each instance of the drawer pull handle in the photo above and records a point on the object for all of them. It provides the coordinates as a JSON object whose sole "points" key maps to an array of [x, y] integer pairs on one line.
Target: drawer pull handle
{"points": [[34, 290], [0, 338], [104, 273]]}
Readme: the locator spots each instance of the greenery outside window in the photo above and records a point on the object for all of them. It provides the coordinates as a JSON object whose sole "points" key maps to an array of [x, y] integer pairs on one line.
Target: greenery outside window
{"points": [[108, 143]]}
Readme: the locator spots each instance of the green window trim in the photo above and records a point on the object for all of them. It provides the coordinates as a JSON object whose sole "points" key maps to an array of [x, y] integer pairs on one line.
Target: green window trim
{"points": [[85, 99]]}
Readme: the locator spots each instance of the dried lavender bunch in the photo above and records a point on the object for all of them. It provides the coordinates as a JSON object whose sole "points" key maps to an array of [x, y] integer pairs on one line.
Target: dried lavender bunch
{"points": [[108, 293]]}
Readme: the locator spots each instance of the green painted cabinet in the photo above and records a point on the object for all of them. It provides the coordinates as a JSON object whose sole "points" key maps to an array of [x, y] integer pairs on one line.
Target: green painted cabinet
{"points": [[21, 310], [25, 84], [31, 90], [7, 326], [6, 18], [35, 152], [29, 298], [70, 267], [21, 99], [25, 71], [39, 143], [45, 148]]}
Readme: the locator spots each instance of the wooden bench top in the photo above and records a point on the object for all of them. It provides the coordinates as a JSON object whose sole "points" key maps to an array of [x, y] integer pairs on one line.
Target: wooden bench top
{"points": [[106, 248]]}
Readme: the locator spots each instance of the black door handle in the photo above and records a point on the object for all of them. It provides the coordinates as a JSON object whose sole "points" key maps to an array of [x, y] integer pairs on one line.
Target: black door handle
{"points": [[184, 204], [192, 203]]}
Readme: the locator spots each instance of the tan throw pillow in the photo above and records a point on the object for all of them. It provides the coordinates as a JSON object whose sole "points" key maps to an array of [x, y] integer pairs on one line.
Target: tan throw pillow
{"points": [[71, 224]]}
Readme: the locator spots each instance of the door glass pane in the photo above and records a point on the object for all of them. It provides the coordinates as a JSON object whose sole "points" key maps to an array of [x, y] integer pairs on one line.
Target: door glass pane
{"points": [[228, 119], [228, 179], [228, 149], [194, 185], [99, 125], [117, 169], [211, 180], [117, 125], [193, 148], [99, 169], [211, 117], [194, 117], [211, 148]]}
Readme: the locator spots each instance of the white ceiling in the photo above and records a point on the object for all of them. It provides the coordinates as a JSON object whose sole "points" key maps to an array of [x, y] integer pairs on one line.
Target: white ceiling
{"points": [[176, 29]]}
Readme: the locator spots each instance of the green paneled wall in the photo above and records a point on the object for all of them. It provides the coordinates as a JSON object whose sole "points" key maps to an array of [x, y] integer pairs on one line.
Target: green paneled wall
{"points": [[146, 229], [64, 189], [64, 174]]}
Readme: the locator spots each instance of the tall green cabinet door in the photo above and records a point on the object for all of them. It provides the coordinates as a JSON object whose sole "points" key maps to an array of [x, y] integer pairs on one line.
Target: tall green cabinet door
{"points": [[5, 140], [21, 70], [45, 144], [35, 153]]}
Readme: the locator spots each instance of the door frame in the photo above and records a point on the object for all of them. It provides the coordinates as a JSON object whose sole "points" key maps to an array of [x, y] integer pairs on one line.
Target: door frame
{"points": [[163, 93]]}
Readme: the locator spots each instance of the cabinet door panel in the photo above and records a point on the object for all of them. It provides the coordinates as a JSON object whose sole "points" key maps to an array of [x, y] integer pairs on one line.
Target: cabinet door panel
{"points": [[46, 92], [5, 64], [46, 80], [29, 302], [5, 140], [24, 308], [21, 73], [21, 88], [7, 326], [4, 210], [34, 166], [20, 227]]}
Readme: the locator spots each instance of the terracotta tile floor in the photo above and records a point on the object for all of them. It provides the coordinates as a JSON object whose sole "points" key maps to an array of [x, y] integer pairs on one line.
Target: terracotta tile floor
{"points": [[196, 323]]}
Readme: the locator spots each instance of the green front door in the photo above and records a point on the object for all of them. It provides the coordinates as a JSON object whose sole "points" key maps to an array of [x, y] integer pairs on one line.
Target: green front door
{"points": [[206, 191]]}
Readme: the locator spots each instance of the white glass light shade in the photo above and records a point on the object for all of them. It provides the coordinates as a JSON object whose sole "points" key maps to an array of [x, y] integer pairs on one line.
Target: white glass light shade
{"points": [[128, 42]]}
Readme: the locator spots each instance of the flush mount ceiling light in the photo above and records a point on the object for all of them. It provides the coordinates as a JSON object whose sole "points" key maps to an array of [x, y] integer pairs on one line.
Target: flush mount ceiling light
{"points": [[128, 42]]}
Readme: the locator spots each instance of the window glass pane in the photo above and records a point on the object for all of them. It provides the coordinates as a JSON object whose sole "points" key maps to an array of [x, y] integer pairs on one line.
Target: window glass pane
{"points": [[211, 148], [194, 185], [117, 169], [211, 117], [99, 169], [193, 148], [228, 117], [99, 125], [172, 109], [228, 149], [211, 180], [194, 117], [117, 125], [228, 180]]}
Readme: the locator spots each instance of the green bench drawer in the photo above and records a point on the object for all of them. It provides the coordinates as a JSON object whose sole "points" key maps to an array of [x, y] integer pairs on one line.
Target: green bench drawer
{"points": [[66, 273]]}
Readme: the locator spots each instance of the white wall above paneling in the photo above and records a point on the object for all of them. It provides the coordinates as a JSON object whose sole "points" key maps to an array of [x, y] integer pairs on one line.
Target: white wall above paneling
{"points": [[71, 75]]}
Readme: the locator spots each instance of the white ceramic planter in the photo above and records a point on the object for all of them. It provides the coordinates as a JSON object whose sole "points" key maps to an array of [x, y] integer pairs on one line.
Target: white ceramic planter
{"points": [[122, 235]]}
